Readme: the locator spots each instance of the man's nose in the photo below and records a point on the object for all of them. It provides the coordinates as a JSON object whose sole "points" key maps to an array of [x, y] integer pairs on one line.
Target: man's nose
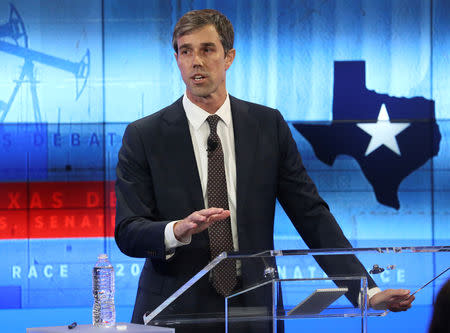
{"points": [[197, 59]]}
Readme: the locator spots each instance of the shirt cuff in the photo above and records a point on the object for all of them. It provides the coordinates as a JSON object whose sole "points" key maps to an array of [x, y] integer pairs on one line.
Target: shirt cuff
{"points": [[170, 240], [370, 292]]}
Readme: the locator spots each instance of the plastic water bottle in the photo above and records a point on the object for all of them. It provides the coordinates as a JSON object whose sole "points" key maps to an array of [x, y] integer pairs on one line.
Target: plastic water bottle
{"points": [[103, 311]]}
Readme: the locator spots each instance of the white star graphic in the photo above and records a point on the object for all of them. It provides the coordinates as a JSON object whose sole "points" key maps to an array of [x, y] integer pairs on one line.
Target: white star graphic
{"points": [[383, 132]]}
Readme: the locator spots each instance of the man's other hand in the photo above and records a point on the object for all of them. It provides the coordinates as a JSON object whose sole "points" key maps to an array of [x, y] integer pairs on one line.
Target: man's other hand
{"points": [[394, 300], [198, 221]]}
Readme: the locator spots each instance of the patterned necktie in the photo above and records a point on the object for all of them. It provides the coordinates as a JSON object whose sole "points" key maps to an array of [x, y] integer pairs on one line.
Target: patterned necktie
{"points": [[220, 237]]}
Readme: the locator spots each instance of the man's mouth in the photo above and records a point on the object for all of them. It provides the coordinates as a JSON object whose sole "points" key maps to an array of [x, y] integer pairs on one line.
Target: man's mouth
{"points": [[198, 77]]}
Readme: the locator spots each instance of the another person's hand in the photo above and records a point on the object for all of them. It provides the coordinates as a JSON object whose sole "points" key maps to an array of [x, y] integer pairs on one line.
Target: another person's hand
{"points": [[198, 221], [394, 300]]}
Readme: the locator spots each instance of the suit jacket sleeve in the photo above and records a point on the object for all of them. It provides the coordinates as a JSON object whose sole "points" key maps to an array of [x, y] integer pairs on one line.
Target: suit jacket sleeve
{"points": [[138, 231], [311, 215]]}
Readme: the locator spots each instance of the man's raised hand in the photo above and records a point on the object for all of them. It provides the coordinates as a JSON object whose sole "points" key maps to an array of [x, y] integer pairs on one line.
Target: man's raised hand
{"points": [[198, 221]]}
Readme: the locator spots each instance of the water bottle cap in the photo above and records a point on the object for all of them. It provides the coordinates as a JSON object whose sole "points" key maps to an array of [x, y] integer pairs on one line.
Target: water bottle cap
{"points": [[102, 256]]}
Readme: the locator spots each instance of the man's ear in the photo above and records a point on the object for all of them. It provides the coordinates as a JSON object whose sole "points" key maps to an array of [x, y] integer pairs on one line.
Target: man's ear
{"points": [[176, 56], [229, 58]]}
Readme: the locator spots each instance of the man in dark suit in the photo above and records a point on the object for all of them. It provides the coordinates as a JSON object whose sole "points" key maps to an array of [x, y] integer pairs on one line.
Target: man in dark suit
{"points": [[162, 179]]}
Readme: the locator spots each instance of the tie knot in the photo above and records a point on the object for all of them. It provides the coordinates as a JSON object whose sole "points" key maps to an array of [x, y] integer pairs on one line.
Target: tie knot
{"points": [[212, 121]]}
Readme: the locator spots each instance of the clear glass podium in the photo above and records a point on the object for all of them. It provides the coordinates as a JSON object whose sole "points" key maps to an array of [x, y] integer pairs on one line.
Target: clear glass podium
{"points": [[277, 286]]}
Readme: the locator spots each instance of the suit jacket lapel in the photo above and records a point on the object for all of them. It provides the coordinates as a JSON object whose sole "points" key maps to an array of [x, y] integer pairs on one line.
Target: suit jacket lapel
{"points": [[178, 140], [245, 141]]}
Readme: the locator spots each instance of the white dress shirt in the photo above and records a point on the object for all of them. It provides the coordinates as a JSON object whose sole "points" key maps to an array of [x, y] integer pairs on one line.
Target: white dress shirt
{"points": [[199, 130]]}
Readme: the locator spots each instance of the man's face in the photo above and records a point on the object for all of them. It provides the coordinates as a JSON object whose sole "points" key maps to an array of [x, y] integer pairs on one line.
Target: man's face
{"points": [[203, 63]]}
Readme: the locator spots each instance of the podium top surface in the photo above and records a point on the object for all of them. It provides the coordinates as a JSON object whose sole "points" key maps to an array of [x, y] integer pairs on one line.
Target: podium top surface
{"points": [[120, 327]]}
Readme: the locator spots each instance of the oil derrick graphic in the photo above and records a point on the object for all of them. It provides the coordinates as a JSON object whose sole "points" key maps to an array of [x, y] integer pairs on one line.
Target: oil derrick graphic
{"points": [[14, 41]]}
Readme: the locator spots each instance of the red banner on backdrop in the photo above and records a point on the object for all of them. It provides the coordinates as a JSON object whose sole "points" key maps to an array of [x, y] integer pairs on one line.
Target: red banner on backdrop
{"points": [[57, 210]]}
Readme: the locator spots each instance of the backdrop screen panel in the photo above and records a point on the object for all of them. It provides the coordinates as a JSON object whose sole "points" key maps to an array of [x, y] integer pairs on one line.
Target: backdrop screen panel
{"points": [[364, 86]]}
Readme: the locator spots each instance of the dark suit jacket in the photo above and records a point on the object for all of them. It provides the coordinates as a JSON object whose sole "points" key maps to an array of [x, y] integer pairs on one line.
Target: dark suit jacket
{"points": [[158, 182]]}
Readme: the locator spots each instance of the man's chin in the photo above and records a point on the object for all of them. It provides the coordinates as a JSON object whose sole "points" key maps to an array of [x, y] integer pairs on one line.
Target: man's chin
{"points": [[200, 93]]}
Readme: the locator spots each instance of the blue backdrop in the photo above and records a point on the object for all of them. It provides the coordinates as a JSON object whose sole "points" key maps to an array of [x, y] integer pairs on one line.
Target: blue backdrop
{"points": [[364, 85]]}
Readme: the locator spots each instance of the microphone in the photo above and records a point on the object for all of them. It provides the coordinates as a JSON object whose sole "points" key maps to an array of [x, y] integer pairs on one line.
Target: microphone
{"points": [[212, 145]]}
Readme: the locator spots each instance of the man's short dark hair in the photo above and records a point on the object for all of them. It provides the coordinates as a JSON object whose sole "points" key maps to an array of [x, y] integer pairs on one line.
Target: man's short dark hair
{"points": [[197, 19]]}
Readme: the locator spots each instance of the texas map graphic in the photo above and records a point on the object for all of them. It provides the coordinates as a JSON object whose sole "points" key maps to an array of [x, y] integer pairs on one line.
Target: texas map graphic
{"points": [[389, 137]]}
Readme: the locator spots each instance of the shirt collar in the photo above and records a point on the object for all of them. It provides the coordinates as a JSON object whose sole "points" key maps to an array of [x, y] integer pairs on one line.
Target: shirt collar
{"points": [[197, 116]]}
